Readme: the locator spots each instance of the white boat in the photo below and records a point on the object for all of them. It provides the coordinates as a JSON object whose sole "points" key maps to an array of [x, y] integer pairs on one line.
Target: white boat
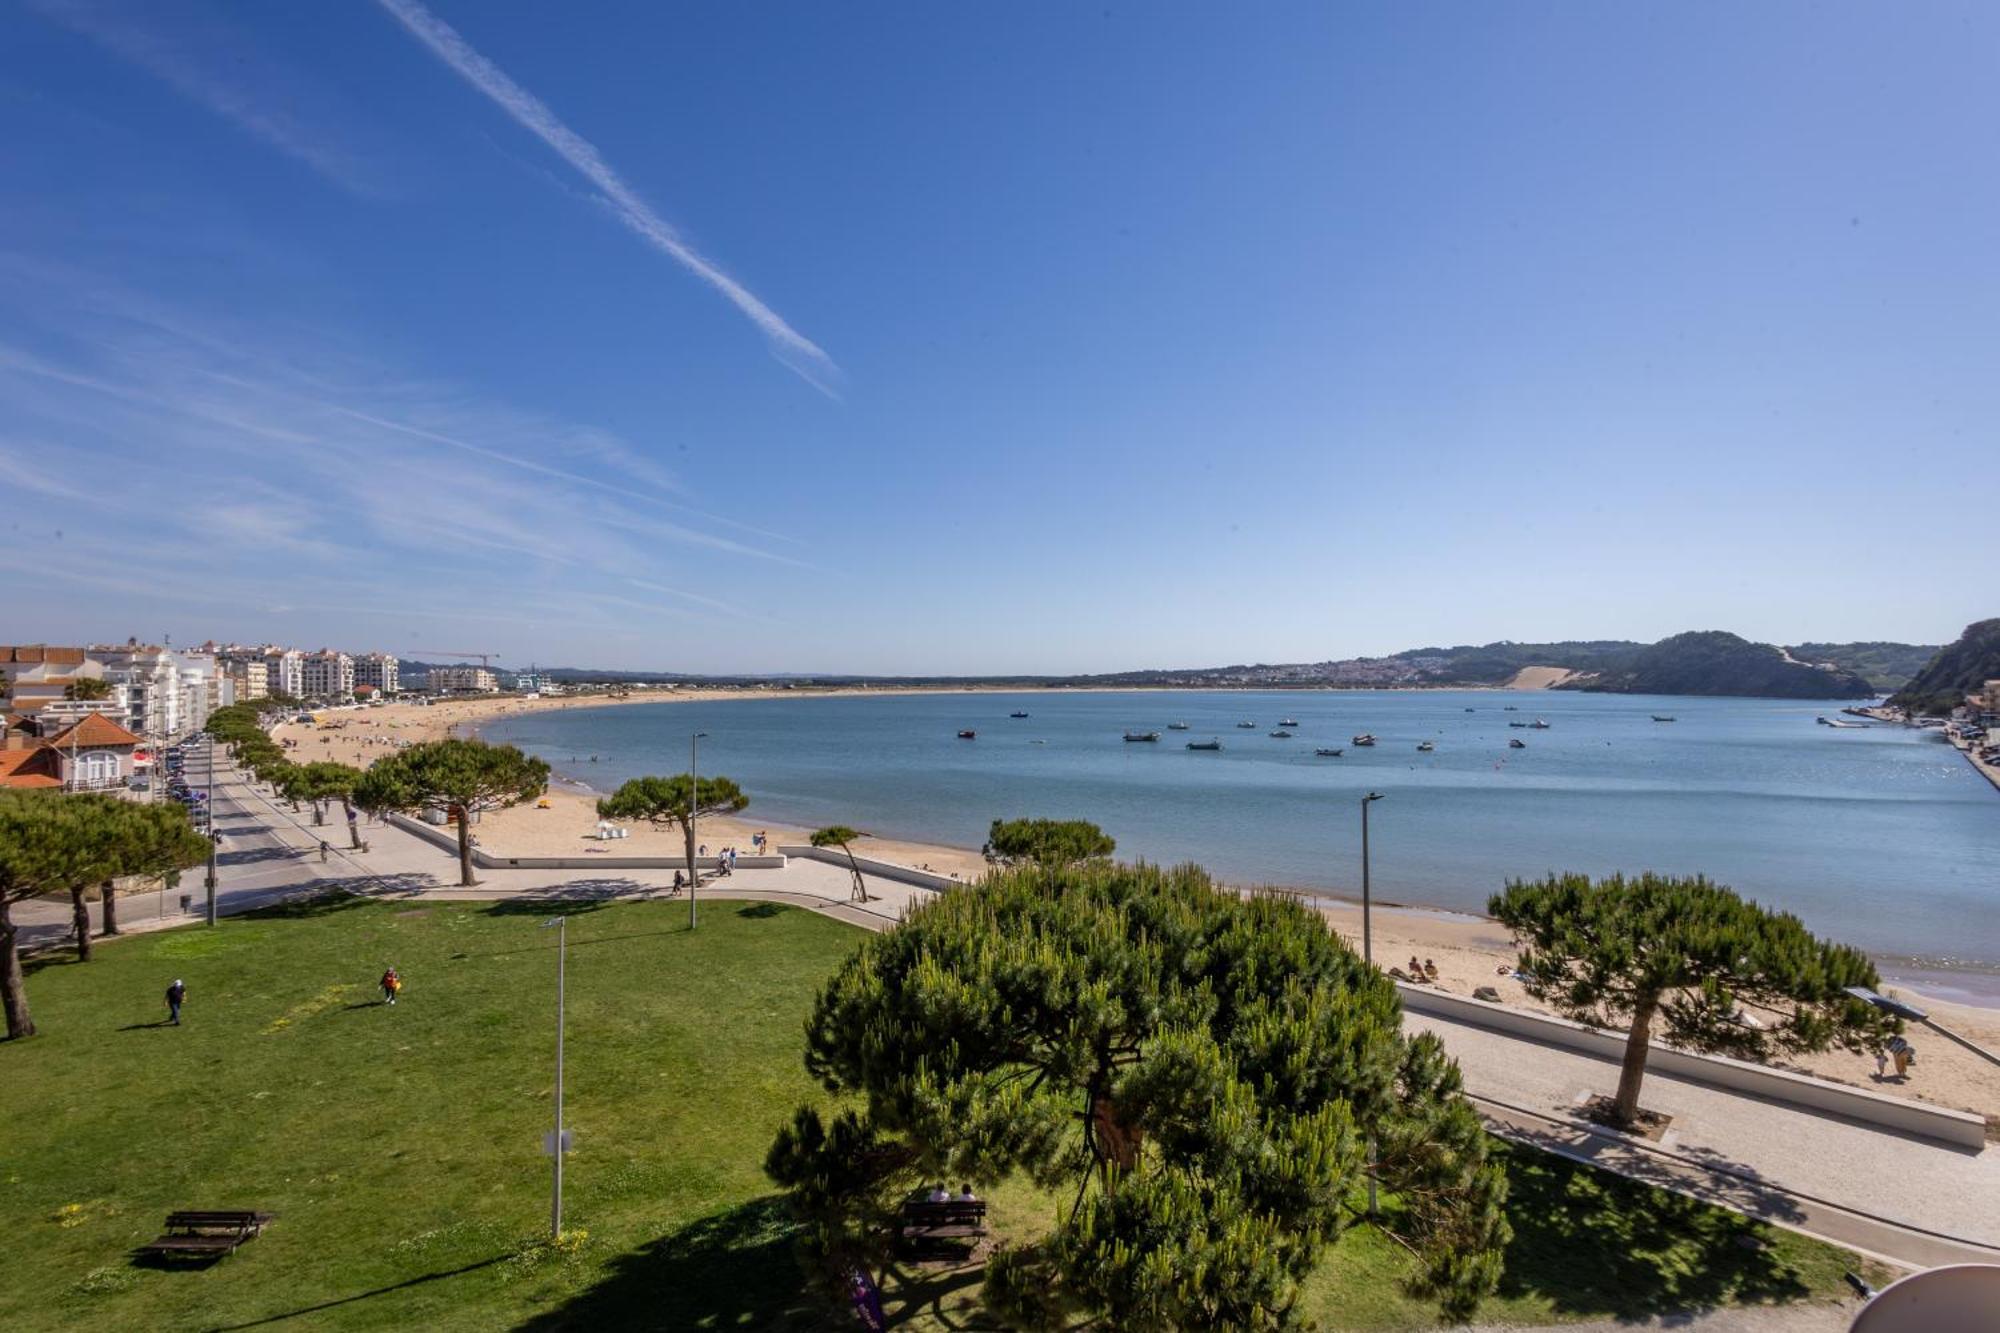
{"points": [[1516, 743], [1425, 747], [1365, 738], [1288, 722], [1281, 735], [1177, 726], [1539, 725], [1250, 726]]}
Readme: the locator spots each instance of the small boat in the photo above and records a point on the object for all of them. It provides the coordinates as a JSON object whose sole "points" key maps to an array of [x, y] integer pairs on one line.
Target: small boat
{"points": [[967, 735], [1365, 738], [1661, 717], [1539, 725], [1142, 735], [1204, 745], [1517, 724], [1516, 743], [1511, 708], [1250, 726], [1177, 726], [1017, 713], [1468, 710], [1288, 722], [1425, 747], [1329, 754], [1281, 735]]}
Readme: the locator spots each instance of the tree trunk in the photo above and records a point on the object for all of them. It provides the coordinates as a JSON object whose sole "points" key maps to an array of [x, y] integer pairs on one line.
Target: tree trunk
{"points": [[464, 847], [13, 990], [80, 922], [110, 907], [860, 885], [353, 826], [1634, 1071], [319, 813]]}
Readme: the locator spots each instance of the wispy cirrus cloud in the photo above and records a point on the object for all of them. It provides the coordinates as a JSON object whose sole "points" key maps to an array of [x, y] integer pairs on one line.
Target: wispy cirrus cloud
{"points": [[213, 65], [804, 357]]}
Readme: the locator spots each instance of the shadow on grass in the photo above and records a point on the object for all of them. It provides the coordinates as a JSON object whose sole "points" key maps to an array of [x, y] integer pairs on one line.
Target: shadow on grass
{"points": [[284, 1315], [1591, 1243], [732, 1269], [760, 911], [577, 895], [147, 1027]]}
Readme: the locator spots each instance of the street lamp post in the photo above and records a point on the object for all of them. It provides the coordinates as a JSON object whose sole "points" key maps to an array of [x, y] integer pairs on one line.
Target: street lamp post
{"points": [[209, 749], [1368, 956], [694, 806], [556, 1144]]}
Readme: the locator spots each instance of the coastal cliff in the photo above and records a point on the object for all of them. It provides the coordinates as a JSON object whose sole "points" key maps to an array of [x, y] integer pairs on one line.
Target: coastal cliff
{"points": [[1957, 670]]}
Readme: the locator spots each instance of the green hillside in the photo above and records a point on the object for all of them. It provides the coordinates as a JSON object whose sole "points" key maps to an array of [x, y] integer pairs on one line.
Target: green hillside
{"points": [[1715, 662], [1957, 670], [1886, 666]]}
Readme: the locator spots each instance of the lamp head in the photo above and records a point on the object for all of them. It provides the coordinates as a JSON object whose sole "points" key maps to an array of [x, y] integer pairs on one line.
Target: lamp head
{"points": [[1371, 796], [554, 921]]}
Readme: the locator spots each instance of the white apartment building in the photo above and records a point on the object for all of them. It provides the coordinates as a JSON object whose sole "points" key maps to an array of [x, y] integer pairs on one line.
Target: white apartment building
{"points": [[463, 680], [381, 670], [327, 674], [33, 676], [166, 693], [284, 671]]}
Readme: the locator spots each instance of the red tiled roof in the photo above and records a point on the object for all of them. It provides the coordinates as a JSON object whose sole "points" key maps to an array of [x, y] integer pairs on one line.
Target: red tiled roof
{"points": [[28, 768], [93, 729]]}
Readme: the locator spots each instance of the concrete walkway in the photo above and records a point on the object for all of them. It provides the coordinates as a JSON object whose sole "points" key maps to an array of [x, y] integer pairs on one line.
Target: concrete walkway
{"points": [[1909, 1201]]}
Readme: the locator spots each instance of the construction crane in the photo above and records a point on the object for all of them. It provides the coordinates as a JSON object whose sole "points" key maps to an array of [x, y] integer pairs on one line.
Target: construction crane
{"points": [[485, 659]]}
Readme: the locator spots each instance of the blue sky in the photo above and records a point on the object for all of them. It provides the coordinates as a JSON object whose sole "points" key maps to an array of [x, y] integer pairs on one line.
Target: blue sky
{"points": [[930, 338]]}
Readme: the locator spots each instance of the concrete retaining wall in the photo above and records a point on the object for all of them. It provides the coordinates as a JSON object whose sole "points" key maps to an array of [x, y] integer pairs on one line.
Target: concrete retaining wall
{"points": [[1960, 1129], [923, 879], [447, 839]]}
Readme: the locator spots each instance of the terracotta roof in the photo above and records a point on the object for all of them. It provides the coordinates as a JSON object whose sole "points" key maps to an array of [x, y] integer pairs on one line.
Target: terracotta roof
{"points": [[28, 768], [93, 729], [38, 652]]}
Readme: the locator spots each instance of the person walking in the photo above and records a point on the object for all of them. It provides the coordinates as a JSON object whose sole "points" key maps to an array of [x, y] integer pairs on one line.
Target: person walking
{"points": [[323, 849], [176, 997], [392, 986], [1903, 1054]]}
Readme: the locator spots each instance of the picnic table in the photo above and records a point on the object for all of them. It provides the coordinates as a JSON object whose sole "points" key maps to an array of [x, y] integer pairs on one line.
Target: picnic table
{"points": [[199, 1232]]}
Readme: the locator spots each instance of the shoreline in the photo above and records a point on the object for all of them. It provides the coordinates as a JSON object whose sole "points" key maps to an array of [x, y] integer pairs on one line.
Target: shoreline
{"points": [[571, 801]]}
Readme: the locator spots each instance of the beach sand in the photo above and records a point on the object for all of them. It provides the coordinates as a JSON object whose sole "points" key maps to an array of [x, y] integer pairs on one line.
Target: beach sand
{"points": [[1469, 951]]}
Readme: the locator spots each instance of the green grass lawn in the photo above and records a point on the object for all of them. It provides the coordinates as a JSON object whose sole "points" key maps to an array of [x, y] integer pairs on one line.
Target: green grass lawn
{"points": [[401, 1148]]}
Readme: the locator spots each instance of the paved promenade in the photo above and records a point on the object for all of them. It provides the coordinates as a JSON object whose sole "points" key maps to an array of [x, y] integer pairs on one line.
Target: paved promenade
{"points": [[1907, 1200]]}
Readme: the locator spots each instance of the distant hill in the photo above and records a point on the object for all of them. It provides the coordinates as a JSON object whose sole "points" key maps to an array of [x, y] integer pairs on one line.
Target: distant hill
{"points": [[1498, 663], [1887, 666], [1958, 669], [1716, 662]]}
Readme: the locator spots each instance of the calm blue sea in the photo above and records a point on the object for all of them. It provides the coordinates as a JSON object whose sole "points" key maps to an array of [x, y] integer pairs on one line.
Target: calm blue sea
{"points": [[1883, 837]]}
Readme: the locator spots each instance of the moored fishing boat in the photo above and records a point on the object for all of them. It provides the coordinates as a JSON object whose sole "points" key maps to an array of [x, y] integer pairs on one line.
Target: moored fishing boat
{"points": [[1177, 726], [1425, 747], [1288, 722], [1662, 717], [1142, 735], [1281, 735], [1017, 713], [1516, 743], [967, 735], [1365, 738], [1247, 725], [1325, 753], [1204, 745]]}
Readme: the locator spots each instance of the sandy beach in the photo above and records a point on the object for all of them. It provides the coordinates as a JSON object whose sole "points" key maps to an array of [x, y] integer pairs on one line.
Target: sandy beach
{"points": [[1469, 951]]}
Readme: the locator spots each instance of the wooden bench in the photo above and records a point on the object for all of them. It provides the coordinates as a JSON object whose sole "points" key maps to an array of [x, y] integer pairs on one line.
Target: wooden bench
{"points": [[927, 1223], [196, 1232]]}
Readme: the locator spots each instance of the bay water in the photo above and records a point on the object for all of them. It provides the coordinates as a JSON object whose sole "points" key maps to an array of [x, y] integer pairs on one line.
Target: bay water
{"points": [[1883, 837]]}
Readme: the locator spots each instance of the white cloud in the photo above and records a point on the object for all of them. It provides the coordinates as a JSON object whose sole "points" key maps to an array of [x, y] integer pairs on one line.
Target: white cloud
{"points": [[790, 346]]}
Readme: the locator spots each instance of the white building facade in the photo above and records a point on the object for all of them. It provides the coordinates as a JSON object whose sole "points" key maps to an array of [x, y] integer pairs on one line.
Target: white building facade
{"points": [[327, 674], [381, 670], [463, 680], [284, 671]]}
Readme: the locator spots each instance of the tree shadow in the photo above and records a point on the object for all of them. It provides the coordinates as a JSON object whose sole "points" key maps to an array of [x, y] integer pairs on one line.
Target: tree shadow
{"points": [[323, 903], [732, 1269], [246, 856], [360, 1296], [1596, 1244], [926, 1293], [763, 911], [147, 1027], [577, 895]]}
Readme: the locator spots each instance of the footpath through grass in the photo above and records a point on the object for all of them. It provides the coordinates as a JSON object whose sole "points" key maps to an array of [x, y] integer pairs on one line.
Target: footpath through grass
{"points": [[401, 1147]]}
